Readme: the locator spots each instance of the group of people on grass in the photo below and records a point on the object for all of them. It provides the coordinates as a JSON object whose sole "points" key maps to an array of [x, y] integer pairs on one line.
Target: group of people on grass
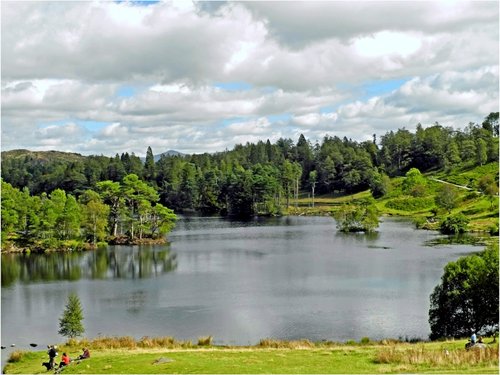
{"points": [[474, 340], [65, 360]]}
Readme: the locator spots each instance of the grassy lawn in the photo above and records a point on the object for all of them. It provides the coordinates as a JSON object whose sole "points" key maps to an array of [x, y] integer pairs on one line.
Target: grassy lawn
{"points": [[434, 357]]}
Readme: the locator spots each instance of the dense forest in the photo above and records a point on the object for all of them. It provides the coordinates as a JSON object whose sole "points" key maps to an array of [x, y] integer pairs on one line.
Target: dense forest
{"points": [[47, 195]]}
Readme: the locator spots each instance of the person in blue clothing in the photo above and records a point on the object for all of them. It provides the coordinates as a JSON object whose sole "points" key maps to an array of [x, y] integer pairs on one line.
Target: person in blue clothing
{"points": [[473, 338]]}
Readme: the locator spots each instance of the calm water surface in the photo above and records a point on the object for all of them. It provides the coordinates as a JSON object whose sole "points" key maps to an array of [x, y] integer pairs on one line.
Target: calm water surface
{"points": [[286, 278]]}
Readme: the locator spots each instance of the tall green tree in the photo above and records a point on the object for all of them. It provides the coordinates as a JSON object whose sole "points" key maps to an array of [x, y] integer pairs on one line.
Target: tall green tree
{"points": [[162, 220], [135, 191], [95, 214], [149, 166], [466, 300], [489, 187], [481, 151], [111, 194], [70, 323], [447, 197]]}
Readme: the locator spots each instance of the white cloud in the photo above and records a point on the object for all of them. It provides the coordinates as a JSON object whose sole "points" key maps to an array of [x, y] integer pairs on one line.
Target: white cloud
{"points": [[65, 62], [387, 43]]}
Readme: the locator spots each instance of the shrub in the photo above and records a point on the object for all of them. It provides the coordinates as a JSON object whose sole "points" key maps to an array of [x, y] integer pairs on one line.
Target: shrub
{"points": [[365, 341], [102, 245], [418, 191], [351, 218], [16, 356], [493, 230], [205, 341], [455, 224]]}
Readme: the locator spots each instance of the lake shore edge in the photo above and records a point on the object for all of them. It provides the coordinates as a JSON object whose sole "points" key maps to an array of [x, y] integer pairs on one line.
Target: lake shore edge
{"points": [[166, 355]]}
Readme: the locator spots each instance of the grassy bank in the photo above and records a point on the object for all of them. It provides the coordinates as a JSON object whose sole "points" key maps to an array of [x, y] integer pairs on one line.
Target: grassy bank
{"points": [[480, 209], [270, 356]]}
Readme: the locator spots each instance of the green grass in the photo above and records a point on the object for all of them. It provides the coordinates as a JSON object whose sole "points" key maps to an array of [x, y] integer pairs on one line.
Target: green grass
{"points": [[388, 356], [482, 211]]}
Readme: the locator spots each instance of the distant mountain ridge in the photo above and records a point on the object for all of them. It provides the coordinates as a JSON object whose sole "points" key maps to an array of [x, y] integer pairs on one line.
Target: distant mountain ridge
{"points": [[167, 153], [43, 156]]}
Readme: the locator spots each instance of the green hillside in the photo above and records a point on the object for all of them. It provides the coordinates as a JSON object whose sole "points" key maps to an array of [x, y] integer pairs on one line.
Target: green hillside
{"points": [[480, 208]]}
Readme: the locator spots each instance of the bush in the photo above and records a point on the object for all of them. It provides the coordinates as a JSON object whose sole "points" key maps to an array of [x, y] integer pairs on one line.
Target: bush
{"points": [[493, 230], [102, 245], [73, 245], [352, 218], [16, 356], [365, 341], [205, 341], [455, 224]]}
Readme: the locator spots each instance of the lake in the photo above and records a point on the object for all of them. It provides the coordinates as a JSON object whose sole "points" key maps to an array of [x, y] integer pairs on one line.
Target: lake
{"points": [[284, 278]]}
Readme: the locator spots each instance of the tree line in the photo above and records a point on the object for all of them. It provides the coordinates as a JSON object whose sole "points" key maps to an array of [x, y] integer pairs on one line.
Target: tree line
{"points": [[262, 177], [116, 212]]}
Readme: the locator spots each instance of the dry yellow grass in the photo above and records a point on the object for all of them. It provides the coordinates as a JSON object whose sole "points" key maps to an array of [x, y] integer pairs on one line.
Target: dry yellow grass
{"points": [[423, 356]]}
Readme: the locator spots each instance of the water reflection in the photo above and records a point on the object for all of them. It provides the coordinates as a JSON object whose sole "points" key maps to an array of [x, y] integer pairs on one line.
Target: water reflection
{"points": [[125, 262]]}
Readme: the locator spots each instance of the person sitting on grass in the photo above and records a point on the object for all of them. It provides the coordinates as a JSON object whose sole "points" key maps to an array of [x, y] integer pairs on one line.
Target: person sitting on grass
{"points": [[64, 360], [85, 354]]}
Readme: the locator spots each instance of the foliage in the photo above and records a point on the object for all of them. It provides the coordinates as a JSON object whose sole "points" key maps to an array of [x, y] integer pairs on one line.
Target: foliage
{"points": [[447, 197], [380, 185], [466, 300], [455, 224], [252, 178], [205, 341], [353, 218], [414, 184], [70, 323]]}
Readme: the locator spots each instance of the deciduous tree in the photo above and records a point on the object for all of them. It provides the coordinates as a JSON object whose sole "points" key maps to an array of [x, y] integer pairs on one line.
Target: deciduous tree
{"points": [[467, 298]]}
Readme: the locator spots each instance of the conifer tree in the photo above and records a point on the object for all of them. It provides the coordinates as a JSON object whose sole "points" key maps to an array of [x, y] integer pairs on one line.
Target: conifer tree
{"points": [[70, 323]]}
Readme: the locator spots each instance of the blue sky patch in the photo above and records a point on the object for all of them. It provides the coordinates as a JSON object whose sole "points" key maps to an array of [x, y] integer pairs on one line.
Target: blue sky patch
{"points": [[92, 125], [328, 109], [369, 89], [279, 117], [234, 120], [233, 86], [377, 88], [126, 91], [138, 2]]}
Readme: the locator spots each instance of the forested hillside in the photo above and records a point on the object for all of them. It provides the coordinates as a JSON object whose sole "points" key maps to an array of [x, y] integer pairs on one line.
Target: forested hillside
{"points": [[250, 179]]}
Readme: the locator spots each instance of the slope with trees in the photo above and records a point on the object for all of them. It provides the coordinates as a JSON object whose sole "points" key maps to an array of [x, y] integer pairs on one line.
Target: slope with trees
{"points": [[66, 196]]}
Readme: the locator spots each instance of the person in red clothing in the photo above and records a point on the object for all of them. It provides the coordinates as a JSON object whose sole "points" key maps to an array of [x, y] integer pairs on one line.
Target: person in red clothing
{"points": [[64, 360]]}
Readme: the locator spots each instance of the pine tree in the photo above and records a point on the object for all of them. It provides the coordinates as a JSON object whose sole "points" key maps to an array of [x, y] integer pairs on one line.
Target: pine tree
{"points": [[149, 166], [70, 323]]}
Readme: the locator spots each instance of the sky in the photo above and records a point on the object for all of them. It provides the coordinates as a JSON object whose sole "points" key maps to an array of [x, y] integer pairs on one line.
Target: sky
{"points": [[106, 77]]}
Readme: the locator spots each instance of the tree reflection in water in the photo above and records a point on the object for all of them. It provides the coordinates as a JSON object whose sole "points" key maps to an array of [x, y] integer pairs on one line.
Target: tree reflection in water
{"points": [[114, 262]]}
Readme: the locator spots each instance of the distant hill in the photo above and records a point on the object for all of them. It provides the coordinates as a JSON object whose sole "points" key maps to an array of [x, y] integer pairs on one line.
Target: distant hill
{"points": [[167, 153], [48, 156], [42, 156]]}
